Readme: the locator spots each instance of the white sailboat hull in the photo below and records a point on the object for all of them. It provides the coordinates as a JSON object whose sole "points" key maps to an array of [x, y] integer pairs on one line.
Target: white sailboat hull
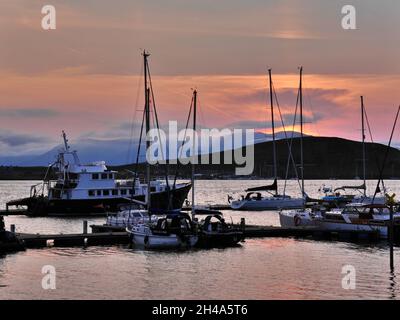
{"points": [[271, 203], [292, 219], [148, 240], [343, 226]]}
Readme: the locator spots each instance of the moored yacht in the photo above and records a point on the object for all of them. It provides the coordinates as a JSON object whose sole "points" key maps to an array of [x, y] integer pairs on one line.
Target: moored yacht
{"points": [[171, 230], [353, 217], [271, 199], [82, 189]]}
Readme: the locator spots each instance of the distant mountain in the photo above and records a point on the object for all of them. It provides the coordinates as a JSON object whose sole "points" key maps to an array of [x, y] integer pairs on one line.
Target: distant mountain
{"points": [[324, 158], [113, 152]]}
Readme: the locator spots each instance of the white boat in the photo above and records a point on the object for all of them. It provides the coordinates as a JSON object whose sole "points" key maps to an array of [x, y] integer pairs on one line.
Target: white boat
{"points": [[254, 201], [340, 196], [272, 200], [171, 232], [353, 217], [84, 189]]}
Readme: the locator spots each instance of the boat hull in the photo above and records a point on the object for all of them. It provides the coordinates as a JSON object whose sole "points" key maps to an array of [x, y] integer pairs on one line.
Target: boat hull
{"points": [[42, 206], [268, 204], [154, 241], [219, 240], [293, 220]]}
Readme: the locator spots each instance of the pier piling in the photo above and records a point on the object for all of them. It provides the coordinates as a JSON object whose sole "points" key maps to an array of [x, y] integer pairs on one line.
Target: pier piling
{"points": [[85, 225]]}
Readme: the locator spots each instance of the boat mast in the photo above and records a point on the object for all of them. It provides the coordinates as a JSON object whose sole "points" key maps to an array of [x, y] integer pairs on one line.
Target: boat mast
{"points": [[363, 142], [194, 148], [273, 129], [301, 130], [147, 116]]}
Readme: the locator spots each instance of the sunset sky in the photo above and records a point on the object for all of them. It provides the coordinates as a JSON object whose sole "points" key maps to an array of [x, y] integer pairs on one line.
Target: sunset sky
{"points": [[84, 76]]}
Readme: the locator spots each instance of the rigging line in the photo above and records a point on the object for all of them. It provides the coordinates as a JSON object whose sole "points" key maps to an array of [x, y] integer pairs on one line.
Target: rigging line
{"points": [[372, 140], [138, 154], [200, 109], [291, 143], [158, 126], [286, 138], [368, 126], [386, 154], [139, 86], [183, 141]]}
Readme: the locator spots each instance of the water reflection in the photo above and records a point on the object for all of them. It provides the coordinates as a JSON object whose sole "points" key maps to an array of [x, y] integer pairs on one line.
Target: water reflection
{"points": [[264, 268]]}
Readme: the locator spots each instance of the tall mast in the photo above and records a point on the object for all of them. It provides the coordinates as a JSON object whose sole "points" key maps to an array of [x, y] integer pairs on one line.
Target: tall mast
{"points": [[273, 129], [363, 142], [147, 116], [301, 130], [194, 148]]}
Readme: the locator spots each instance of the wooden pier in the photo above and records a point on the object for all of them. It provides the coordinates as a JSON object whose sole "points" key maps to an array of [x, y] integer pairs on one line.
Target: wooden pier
{"points": [[217, 207], [72, 240], [14, 212], [255, 231], [252, 231], [24, 212]]}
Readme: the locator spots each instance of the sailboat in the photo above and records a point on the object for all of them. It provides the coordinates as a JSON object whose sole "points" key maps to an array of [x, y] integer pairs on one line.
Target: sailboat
{"points": [[336, 197], [254, 200], [353, 217], [175, 229], [213, 231], [289, 218]]}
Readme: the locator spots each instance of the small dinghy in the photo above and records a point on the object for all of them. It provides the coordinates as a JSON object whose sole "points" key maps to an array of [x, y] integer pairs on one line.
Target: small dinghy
{"points": [[214, 232]]}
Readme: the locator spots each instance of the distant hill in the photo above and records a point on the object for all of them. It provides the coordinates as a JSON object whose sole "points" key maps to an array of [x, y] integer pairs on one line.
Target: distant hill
{"points": [[112, 151], [324, 158]]}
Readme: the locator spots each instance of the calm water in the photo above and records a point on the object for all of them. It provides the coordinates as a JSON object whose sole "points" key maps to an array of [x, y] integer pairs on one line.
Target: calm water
{"points": [[274, 268]]}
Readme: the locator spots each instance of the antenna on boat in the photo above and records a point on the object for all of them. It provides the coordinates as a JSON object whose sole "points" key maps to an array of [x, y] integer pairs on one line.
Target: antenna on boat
{"points": [[363, 142], [66, 146], [194, 149], [273, 129]]}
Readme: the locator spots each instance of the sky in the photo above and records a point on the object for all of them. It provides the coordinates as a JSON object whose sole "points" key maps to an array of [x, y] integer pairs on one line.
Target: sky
{"points": [[84, 77]]}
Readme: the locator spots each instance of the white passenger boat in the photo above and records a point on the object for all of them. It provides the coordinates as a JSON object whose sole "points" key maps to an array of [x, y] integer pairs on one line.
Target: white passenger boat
{"points": [[82, 189]]}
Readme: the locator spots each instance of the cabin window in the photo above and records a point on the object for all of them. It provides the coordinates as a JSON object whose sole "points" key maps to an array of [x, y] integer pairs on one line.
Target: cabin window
{"points": [[98, 192], [115, 192], [106, 192], [152, 189], [110, 176], [95, 176], [104, 175], [123, 192], [91, 193]]}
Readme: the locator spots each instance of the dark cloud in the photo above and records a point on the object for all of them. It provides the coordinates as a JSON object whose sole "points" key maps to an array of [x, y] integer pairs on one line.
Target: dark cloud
{"points": [[16, 139], [318, 104], [28, 113]]}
